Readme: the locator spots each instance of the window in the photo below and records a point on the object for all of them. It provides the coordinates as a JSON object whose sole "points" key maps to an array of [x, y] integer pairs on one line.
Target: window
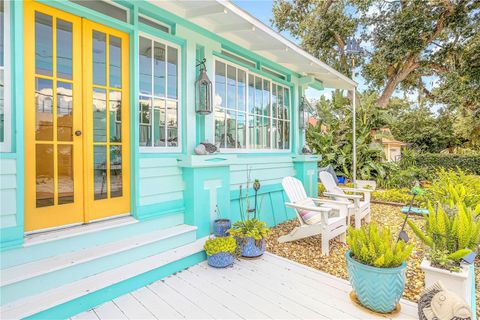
{"points": [[153, 24], [239, 59], [5, 113], [251, 112], [159, 95], [108, 8], [273, 73]]}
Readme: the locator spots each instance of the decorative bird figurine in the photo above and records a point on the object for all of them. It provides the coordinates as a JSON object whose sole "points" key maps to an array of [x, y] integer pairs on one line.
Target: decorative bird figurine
{"points": [[306, 150], [206, 148]]}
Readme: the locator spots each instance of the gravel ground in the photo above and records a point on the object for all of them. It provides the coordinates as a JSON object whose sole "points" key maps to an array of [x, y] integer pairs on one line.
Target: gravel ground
{"points": [[307, 251]]}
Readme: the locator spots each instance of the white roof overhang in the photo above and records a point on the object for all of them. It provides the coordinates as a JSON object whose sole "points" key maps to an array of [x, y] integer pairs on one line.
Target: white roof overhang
{"points": [[227, 20]]}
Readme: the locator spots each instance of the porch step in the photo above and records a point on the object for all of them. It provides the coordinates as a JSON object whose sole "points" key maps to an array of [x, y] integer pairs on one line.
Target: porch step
{"points": [[56, 296], [54, 243]]}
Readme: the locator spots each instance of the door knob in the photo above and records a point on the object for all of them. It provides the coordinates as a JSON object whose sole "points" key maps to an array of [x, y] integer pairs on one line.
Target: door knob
{"points": [[78, 133]]}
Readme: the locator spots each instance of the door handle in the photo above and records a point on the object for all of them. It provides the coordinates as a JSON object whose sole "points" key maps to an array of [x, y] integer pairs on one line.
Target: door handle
{"points": [[78, 133]]}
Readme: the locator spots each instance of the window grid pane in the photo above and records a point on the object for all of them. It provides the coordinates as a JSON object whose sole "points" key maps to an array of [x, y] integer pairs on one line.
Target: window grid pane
{"points": [[158, 101], [266, 123]]}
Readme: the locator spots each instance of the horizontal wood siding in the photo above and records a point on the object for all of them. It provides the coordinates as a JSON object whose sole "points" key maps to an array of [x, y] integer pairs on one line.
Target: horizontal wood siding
{"points": [[8, 193], [271, 200], [160, 181]]}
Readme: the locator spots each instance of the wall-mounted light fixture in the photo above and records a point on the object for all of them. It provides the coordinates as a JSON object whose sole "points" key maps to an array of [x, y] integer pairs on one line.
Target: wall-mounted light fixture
{"points": [[203, 91]]}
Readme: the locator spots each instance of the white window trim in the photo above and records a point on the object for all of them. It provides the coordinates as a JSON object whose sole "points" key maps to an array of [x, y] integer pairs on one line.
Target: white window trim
{"points": [[159, 149], [247, 149], [5, 146]]}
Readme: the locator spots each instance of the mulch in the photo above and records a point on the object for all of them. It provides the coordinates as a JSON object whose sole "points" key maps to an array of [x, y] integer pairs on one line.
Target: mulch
{"points": [[308, 251]]}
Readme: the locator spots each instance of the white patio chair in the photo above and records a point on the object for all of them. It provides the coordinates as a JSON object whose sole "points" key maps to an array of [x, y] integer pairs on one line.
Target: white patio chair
{"points": [[316, 216], [359, 205]]}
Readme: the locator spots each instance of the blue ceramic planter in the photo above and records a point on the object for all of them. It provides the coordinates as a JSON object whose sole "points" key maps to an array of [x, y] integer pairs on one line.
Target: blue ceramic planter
{"points": [[220, 260], [250, 248], [378, 289], [220, 227]]}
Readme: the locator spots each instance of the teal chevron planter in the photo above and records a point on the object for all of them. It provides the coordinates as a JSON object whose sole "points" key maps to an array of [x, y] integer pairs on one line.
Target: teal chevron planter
{"points": [[378, 289]]}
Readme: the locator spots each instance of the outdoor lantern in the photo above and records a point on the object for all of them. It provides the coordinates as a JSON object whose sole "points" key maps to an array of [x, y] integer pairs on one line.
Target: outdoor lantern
{"points": [[203, 91], [306, 110]]}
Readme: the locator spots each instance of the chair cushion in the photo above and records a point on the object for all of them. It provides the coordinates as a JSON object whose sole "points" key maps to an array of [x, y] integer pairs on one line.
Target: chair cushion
{"points": [[311, 217]]}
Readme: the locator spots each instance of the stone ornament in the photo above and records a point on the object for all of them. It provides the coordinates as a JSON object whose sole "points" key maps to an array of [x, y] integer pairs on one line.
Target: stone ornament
{"points": [[306, 150], [437, 303]]}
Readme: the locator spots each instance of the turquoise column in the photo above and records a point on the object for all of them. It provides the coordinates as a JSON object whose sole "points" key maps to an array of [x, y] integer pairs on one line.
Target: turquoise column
{"points": [[207, 185], [306, 170]]}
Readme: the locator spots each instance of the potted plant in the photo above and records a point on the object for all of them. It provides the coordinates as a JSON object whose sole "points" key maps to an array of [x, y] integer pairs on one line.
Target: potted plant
{"points": [[220, 251], [250, 232], [251, 235], [221, 225], [451, 233], [376, 267]]}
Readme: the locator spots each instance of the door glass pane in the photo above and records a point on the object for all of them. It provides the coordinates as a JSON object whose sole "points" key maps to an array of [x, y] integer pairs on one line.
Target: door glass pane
{"points": [[219, 100], [100, 172], [231, 87], [286, 102], [280, 109], [145, 61], [242, 101], [64, 111], [65, 174], [3, 27], [99, 115], [220, 128], [2, 106], [99, 57], [286, 135], [274, 101], [116, 186], [145, 117], [43, 44], [241, 130], [44, 111], [172, 66], [172, 123], [44, 175], [159, 123], [159, 69], [115, 61], [64, 49], [115, 103]]}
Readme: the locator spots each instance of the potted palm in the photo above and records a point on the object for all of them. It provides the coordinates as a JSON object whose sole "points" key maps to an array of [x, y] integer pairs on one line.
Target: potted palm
{"points": [[250, 232], [220, 251], [451, 233], [376, 267]]}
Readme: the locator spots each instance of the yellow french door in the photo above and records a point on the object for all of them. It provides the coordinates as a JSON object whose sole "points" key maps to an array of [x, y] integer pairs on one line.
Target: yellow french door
{"points": [[76, 119]]}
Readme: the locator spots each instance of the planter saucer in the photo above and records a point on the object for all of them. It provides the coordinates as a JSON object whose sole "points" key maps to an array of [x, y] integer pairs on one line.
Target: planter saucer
{"points": [[355, 301]]}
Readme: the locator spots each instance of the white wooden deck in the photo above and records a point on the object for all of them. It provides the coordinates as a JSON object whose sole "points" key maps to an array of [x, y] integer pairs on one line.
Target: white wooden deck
{"points": [[268, 288]]}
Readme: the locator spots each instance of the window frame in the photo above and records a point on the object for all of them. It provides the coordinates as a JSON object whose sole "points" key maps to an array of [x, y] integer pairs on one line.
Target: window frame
{"points": [[5, 145], [247, 113], [179, 100]]}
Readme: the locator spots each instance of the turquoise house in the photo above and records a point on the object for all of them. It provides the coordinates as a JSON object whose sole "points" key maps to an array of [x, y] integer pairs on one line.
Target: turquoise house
{"points": [[101, 191]]}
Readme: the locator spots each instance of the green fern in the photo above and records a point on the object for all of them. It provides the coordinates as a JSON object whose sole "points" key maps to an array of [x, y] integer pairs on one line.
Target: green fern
{"points": [[451, 232], [376, 247]]}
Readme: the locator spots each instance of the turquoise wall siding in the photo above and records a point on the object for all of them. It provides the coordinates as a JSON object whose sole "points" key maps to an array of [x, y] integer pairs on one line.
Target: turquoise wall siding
{"points": [[159, 183], [8, 193]]}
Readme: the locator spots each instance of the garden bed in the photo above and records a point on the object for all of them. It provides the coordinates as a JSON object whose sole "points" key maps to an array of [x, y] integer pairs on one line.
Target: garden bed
{"points": [[308, 251]]}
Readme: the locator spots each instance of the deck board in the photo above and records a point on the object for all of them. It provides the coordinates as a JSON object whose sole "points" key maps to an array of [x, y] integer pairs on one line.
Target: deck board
{"points": [[267, 288]]}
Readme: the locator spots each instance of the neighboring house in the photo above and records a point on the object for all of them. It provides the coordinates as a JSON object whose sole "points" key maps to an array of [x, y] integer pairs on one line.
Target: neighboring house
{"points": [[99, 124], [391, 146]]}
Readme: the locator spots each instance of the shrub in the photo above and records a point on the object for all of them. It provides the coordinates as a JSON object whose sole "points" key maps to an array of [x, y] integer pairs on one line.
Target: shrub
{"points": [[455, 186], [377, 248], [451, 233], [220, 244], [432, 161], [397, 177]]}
